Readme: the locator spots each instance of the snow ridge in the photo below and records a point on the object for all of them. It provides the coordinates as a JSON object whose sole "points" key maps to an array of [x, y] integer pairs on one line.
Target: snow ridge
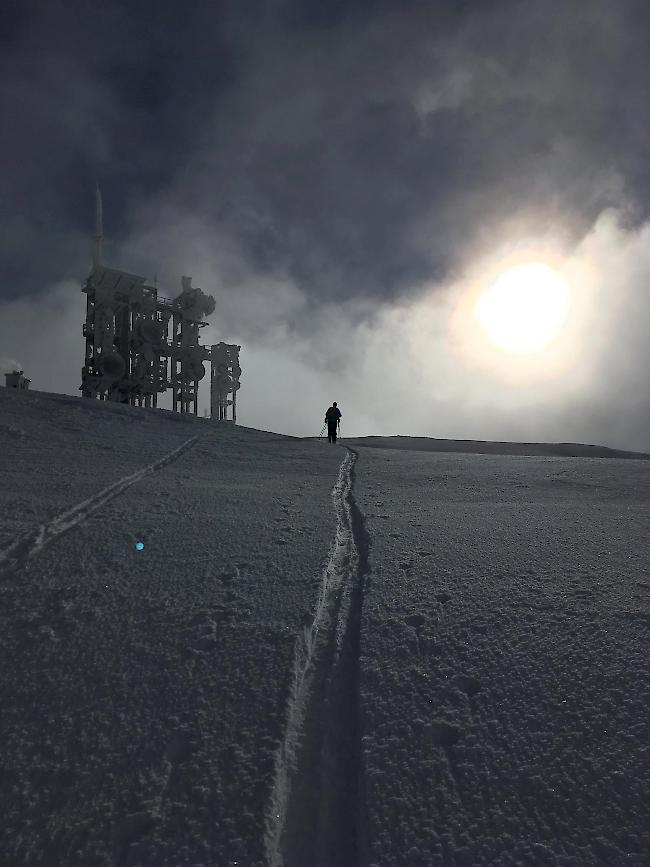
{"points": [[33, 541], [313, 814]]}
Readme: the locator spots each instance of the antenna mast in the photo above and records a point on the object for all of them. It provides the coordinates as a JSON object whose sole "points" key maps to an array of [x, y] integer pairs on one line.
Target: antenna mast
{"points": [[99, 230]]}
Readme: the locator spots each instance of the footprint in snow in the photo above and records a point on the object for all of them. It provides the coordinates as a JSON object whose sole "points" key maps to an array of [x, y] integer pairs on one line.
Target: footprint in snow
{"points": [[467, 684], [15, 432], [135, 825], [228, 575], [47, 632], [179, 746], [416, 620], [442, 734]]}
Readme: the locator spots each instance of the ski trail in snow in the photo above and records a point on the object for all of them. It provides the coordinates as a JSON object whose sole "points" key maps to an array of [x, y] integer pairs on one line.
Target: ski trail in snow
{"points": [[33, 541], [314, 810]]}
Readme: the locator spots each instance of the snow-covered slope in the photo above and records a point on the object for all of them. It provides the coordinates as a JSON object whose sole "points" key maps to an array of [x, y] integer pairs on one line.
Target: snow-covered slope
{"points": [[504, 667], [321, 656], [488, 447], [144, 693]]}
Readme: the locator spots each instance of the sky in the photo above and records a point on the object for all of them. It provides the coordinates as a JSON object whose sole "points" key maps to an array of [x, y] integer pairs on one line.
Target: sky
{"points": [[345, 179]]}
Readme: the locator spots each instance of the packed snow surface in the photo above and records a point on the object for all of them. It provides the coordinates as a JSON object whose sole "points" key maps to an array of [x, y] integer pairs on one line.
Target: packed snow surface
{"points": [[327, 656], [482, 447]]}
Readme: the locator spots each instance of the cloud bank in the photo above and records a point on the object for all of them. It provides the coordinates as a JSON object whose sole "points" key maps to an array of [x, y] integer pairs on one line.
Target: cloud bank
{"points": [[413, 368]]}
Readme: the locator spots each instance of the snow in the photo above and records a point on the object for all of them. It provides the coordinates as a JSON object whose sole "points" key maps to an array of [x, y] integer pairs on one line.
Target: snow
{"points": [[322, 655], [504, 680]]}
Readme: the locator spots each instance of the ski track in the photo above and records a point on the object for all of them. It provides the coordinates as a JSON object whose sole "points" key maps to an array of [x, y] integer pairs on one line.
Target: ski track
{"points": [[315, 809], [33, 541], [314, 817]]}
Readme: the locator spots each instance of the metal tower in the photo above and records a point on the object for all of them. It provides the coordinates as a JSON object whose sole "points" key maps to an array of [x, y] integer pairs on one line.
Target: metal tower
{"points": [[131, 355]]}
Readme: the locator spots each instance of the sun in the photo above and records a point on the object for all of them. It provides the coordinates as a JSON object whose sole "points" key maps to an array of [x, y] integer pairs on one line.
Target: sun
{"points": [[524, 309]]}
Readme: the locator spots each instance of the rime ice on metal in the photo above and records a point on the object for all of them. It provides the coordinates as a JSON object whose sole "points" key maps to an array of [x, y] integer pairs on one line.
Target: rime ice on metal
{"points": [[225, 381], [17, 379], [139, 344]]}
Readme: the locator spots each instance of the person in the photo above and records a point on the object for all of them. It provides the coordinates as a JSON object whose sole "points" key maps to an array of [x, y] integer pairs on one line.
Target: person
{"points": [[332, 417]]}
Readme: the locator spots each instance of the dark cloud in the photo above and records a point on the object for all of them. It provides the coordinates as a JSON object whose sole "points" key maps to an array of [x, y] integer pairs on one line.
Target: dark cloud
{"points": [[361, 146], [368, 155]]}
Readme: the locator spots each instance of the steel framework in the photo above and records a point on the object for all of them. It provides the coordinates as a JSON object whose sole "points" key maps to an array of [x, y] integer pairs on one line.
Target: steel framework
{"points": [[225, 373], [139, 344]]}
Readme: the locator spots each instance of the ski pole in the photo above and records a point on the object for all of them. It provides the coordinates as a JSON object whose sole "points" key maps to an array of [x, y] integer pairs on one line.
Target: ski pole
{"points": [[322, 430]]}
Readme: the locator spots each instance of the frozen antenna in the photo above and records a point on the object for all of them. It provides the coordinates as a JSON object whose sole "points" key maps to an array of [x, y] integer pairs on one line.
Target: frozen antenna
{"points": [[139, 344], [99, 231]]}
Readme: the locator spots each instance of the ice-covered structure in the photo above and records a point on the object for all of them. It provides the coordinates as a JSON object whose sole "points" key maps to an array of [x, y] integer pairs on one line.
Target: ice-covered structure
{"points": [[17, 379], [224, 381], [139, 344]]}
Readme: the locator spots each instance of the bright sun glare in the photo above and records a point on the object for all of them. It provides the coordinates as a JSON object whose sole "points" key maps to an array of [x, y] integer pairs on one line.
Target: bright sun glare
{"points": [[525, 308]]}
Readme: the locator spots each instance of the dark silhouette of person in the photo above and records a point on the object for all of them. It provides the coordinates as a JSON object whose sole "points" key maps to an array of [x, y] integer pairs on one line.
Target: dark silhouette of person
{"points": [[332, 417]]}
